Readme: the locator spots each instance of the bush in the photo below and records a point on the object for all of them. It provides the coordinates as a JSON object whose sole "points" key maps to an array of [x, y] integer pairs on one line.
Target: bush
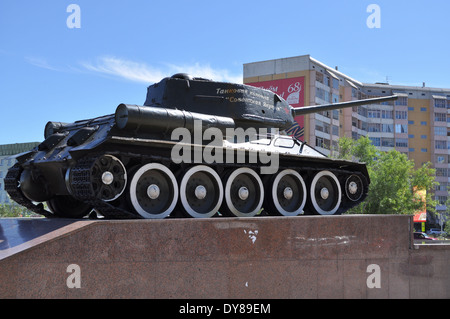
{"points": [[14, 210]]}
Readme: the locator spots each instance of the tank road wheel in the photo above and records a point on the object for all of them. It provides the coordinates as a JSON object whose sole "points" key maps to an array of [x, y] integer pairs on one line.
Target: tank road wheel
{"points": [[244, 193], [201, 191], [67, 206], [325, 193], [153, 191], [287, 195], [354, 187]]}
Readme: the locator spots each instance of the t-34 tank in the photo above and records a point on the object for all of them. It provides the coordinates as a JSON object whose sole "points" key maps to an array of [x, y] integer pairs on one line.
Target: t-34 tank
{"points": [[195, 148]]}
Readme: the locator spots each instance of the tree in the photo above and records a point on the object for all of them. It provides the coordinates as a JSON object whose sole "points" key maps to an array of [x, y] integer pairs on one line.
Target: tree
{"points": [[393, 179], [447, 213]]}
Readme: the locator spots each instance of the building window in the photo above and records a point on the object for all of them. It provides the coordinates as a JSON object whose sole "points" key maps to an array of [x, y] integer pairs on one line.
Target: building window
{"points": [[319, 141], [374, 114], [402, 100], [424, 137], [440, 117], [335, 84], [410, 135], [386, 114], [440, 103], [376, 141], [410, 108], [336, 114], [411, 122], [423, 123], [442, 172], [411, 149], [335, 98], [322, 127], [401, 142], [387, 128], [362, 111], [440, 145], [374, 127], [335, 130], [401, 115], [424, 150], [387, 142], [319, 77], [401, 128], [440, 130], [441, 199], [440, 159], [441, 187], [423, 109]]}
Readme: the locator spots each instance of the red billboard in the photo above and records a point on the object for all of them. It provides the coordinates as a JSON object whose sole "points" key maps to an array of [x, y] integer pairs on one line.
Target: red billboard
{"points": [[293, 91], [421, 215]]}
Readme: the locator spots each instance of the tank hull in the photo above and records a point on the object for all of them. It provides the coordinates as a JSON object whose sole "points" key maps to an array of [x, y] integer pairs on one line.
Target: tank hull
{"points": [[66, 173]]}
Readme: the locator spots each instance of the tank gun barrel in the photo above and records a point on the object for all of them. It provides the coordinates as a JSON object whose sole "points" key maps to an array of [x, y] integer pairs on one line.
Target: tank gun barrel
{"points": [[336, 106]]}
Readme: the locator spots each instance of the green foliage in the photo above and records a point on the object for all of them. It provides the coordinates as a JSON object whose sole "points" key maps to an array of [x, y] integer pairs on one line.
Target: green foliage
{"points": [[447, 227], [393, 179], [447, 224], [14, 210]]}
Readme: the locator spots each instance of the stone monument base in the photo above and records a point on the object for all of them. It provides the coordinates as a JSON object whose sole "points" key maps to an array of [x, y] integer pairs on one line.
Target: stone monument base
{"points": [[269, 257]]}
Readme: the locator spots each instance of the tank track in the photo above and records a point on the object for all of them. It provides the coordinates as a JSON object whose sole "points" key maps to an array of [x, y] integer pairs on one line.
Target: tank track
{"points": [[11, 181], [81, 185], [81, 190]]}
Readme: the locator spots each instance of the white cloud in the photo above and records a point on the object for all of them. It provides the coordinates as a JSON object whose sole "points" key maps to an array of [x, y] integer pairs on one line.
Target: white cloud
{"points": [[40, 63], [141, 72], [134, 71]]}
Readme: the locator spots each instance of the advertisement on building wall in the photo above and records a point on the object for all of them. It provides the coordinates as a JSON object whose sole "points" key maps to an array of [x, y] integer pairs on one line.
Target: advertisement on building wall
{"points": [[292, 90], [421, 215]]}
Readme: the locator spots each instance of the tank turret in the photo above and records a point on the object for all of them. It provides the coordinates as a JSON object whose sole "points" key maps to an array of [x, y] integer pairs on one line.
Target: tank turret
{"points": [[248, 106], [196, 148]]}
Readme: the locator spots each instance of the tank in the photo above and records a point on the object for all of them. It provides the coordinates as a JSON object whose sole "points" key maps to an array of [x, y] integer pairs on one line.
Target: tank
{"points": [[195, 148]]}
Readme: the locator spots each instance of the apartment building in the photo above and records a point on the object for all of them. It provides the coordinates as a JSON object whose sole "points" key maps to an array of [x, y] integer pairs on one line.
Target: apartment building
{"points": [[6, 161], [417, 124]]}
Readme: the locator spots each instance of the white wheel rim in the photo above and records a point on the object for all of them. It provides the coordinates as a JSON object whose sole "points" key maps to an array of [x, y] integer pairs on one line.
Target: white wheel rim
{"points": [[276, 201], [313, 196], [259, 184], [183, 188], [133, 188]]}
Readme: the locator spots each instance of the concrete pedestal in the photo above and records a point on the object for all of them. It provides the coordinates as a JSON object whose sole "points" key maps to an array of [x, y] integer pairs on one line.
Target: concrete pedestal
{"points": [[268, 257]]}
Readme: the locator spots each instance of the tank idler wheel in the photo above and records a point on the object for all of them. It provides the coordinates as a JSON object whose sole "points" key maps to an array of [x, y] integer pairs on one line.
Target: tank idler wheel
{"points": [[286, 193], [68, 207], [325, 193], [201, 192], [153, 191], [244, 193]]}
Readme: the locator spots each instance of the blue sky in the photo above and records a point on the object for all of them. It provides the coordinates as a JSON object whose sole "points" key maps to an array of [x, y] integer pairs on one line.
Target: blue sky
{"points": [[52, 72]]}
